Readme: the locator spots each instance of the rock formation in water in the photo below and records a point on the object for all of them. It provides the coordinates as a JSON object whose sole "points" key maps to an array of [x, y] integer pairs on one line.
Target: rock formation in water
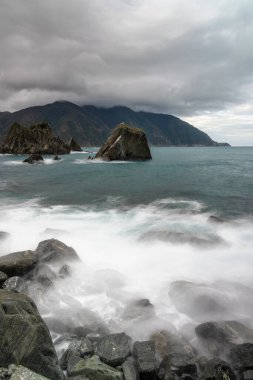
{"points": [[36, 139], [74, 147], [125, 143], [34, 158]]}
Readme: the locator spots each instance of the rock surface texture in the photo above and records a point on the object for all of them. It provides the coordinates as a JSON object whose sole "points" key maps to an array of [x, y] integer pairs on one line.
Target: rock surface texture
{"points": [[25, 338], [38, 139], [125, 143], [18, 263]]}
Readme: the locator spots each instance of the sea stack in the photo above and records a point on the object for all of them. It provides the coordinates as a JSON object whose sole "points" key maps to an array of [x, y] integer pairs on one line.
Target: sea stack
{"points": [[37, 139], [125, 143], [74, 146]]}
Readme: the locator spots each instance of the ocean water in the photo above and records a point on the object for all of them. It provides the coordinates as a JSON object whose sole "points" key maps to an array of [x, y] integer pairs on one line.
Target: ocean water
{"points": [[143, 231]]}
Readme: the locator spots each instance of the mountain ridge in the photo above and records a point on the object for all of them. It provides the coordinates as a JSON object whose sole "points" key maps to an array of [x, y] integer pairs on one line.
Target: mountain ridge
{"points": [[90, 125]]}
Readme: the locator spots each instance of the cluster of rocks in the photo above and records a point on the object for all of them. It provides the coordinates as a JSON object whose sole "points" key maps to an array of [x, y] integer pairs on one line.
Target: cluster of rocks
{"points": [[218, 351]]}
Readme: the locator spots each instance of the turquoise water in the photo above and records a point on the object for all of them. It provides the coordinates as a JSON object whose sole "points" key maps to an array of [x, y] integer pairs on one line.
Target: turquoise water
{"points": [[220, 178], [138, 227]]}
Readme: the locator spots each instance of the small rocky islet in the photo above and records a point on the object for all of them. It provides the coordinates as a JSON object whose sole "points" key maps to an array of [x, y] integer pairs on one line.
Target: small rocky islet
{"points": [[220, 350]]}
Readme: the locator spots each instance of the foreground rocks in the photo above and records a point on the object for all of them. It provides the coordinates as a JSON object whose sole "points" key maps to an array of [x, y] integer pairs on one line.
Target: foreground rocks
{"points": [[25, 338], [18, 263], [125, 143], [37, 139]]}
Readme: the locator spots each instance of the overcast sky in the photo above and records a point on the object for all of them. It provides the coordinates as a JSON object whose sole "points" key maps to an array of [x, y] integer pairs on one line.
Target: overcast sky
{"points": [[189, 58]]}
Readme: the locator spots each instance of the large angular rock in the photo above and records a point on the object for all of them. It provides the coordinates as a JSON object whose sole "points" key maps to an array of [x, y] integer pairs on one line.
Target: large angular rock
{"points": [[144, 352], [219, 337], [53, 250], [35, 139], [125, 143], [15, 284], [113, 349], [78, 348], [22, 373], [18, 263], [74, 147], [25, 338], [94, 369], [217, 369]]}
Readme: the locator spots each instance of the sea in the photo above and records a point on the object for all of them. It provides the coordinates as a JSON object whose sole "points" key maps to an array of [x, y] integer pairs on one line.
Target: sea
{"points": [[176, 230]]}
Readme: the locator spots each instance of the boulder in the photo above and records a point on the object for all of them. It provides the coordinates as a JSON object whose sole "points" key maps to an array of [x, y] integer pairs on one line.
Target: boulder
{"points": [[219, 337], [79, 348], [241, 356], [57, 158], [129, 370], [3, 277], [113, 349], [18, 263], [74, 147], [34, 159], [94, 369], [217, 369], [139, 309], [23, 373], [37, 138], [15, 284], [199, 301], [144, 353], [178, 350], [53, 250], [125, 143], [25, 338]]}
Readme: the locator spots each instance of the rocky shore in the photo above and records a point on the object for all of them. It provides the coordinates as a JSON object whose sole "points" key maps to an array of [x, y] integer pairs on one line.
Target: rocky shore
{"points": [[220, 349]]}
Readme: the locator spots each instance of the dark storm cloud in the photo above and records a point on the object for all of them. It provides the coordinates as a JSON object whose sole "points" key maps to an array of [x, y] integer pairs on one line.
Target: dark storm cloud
{"points": [[172, 56]]}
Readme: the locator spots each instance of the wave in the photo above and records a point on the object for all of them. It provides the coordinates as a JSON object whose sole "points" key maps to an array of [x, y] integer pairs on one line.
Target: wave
{"points": [[142, 252]]}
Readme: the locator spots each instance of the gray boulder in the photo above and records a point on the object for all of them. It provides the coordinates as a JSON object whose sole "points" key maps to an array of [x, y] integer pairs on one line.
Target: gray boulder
{"points": [[18, 263], [113, 349], [217, 369], [144, 353], [94, 369], [53, 250], [22, 373], [125, 143], [25, 338], [15, 284], [129, 370]]}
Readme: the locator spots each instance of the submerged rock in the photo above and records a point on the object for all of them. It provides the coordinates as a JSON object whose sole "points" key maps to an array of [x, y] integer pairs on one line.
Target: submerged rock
{"points": [[57, 158], [74, 147], [113, 349], [25, 338], [18, 263], [125, 143], [53, 250], [34, 158], [38, 139]]}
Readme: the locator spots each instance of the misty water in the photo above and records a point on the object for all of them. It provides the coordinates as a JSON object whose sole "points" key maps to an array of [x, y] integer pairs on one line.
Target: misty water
{"points": [[139, 228]]}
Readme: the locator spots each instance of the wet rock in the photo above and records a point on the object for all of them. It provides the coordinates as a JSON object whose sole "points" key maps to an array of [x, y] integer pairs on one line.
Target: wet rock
{"points": [[199, 301], [45, 275], [77, 348], [125, 143], [15, 284], [37, 139], [247, 374], [34, 159], [219, 337], [217, 369], [241, 356], [25, 338], [144, 352], [168, 371], [140, 309], [113, 349], [3, 277], [95, 369], [57, 158], [74, 147], [129, 370], [22, 373], [18, 263], [178, 350], [215, 219], [53, 250]]}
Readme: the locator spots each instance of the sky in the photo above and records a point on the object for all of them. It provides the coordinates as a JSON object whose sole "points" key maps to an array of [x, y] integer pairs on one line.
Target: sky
{"points": [[192, 59]]}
